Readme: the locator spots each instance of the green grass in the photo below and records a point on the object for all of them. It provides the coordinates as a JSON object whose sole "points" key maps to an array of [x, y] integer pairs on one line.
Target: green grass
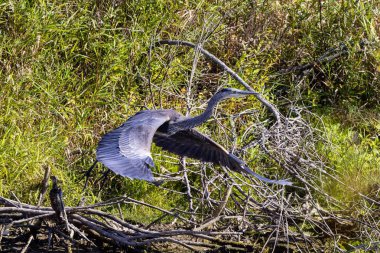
{"points": [[354, 153], [72, 70]]}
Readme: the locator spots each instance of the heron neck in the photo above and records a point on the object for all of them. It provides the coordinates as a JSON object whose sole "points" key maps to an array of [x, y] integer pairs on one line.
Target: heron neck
{"points": [[197, 120]]}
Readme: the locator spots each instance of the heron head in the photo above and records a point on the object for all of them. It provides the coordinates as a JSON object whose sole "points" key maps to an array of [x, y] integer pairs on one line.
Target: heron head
{"points": [[54, 179], [234, 93]]}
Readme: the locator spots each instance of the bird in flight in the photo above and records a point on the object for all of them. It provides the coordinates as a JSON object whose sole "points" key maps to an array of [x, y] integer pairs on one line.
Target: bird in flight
{"points": [[126, 149]]}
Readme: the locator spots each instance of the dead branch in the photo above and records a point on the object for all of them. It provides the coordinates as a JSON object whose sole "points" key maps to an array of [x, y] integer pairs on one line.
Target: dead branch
{"points": [[224, 67], [329, 56]]}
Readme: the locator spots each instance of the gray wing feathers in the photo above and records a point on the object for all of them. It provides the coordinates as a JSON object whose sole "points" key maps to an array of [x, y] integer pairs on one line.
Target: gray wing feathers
{"points": [[126, 150], [191, 143]]}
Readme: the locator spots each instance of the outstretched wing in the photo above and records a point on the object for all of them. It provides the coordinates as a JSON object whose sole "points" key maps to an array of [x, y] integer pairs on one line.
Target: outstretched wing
{"points": [[193, 144], [126, 149]]}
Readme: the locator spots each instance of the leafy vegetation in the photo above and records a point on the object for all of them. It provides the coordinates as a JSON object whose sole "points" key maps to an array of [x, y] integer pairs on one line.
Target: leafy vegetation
{"points": [[72, 70]]}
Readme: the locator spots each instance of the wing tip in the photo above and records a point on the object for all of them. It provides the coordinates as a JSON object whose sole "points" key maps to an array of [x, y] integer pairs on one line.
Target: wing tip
{"points": [[283, 182]]}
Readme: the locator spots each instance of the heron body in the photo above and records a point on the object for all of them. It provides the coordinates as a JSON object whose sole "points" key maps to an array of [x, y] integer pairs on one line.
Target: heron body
{"points": [[126, 149], [55, 196]]}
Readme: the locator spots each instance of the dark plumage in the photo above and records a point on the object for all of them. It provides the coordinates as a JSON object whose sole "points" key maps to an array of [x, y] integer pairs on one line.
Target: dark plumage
{"points": [[126, 149], [55, 196]]}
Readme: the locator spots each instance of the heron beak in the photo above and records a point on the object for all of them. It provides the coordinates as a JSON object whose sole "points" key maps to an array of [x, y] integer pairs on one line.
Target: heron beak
{"points": [[243, 93], [246, 92]]}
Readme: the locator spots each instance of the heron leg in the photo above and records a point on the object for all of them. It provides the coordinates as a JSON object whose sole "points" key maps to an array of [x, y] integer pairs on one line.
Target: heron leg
{"points": [[88, 173], [158, 182], [103, 179]]}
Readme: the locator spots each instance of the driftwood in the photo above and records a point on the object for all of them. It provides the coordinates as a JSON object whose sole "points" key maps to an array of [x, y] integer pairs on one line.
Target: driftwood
{"points": [[225, 211], [238, 231], [86, 223], [329, 56]]}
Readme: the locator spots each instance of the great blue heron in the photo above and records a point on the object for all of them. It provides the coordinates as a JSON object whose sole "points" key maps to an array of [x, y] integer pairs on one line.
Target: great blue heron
{"points": [[126, 149]]}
